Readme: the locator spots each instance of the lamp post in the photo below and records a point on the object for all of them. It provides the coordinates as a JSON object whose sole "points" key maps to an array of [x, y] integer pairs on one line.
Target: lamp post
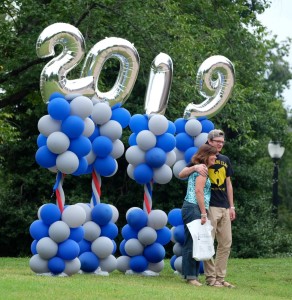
{"points": [[276, 152]]}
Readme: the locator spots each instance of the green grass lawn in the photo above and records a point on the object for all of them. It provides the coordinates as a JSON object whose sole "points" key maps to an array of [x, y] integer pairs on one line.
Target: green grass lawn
{"points": [[254, 278]]}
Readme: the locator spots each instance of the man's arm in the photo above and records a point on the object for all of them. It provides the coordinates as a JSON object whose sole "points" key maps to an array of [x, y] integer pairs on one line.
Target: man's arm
{"points": [[230, 198], [187, 171]]}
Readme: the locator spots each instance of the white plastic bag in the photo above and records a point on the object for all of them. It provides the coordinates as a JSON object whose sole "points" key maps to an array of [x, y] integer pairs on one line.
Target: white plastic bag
{"points": [[203, 243]]}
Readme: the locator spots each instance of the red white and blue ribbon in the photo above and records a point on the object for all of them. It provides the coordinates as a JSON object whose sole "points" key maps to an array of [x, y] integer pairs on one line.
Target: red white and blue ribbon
{"points": [[58, 190], [96, 188], [147, 204]]}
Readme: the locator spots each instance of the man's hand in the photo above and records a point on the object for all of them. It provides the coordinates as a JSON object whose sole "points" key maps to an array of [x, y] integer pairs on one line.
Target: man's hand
{"points": [[202, 170], [232, 213]]}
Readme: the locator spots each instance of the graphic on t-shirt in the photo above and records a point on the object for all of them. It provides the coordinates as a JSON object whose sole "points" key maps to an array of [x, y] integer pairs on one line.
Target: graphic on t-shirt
{"points": [[217, 175]]}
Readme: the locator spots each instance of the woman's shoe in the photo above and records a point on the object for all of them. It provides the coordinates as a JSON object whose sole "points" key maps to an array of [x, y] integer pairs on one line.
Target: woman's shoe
{"points": [[194, 282]]}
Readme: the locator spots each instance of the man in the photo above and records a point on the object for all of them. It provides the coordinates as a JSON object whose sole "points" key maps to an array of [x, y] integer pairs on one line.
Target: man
{"points": [[221, 211]]}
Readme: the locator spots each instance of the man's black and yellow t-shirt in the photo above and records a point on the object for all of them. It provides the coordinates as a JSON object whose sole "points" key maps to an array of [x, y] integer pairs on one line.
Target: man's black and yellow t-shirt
{"points": [[217, 174]]}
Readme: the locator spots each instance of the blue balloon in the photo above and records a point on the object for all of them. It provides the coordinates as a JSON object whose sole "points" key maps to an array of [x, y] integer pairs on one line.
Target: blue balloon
{"points": [[179, 234], [172, 260], [101, 214], [33, 247], [56, 265], [56, 95], [45, 158], [73, 126], [41, 140], [89, 262], [137, 219], [138, 123], [175, 217], [166, 142], [102, 146], [207, 126], [115, 247], [89, 169], [81, 146], [109, 230], [38, 229], [129, 232], [180, 125], [76, 234], [155, 157], [154, 253], [68, 250], [171, 128], [190, 153], [122, 248], [105, 166], [184, 141], [138, 263], [95, 134], [143, 173], [132, 139], [122, 116], [59, 108], [50, 213], [163, 235], [82, 167], [85, 246]]}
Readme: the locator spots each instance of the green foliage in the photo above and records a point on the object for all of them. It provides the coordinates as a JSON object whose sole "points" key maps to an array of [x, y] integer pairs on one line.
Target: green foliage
{"points": [[189, 32]]}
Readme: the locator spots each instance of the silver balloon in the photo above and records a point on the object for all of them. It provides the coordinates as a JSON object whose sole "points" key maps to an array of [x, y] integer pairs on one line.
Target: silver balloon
{"points": [[216, 92], [128, 56], [53, 76], [159, 84]]}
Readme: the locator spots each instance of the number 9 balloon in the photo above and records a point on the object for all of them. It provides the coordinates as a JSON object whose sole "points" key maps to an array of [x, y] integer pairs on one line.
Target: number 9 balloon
{"points": [[216, 92], [53, 76]]}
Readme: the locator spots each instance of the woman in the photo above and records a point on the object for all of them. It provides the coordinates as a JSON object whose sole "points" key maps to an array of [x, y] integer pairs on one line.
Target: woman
{"points": [[195, 207]]}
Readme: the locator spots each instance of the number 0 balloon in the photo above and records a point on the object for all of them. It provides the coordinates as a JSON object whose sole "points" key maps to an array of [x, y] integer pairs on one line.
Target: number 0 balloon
{"points": [[216, 92]]}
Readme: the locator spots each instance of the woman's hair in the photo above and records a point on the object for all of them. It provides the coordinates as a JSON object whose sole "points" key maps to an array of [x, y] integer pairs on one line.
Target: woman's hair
{"points": [[204, 152]]}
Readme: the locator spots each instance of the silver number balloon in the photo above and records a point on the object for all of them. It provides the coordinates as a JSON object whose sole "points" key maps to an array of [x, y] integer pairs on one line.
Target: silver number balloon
{"points": [[129, 59], [216, 91], [53, 76], [159, 84]]}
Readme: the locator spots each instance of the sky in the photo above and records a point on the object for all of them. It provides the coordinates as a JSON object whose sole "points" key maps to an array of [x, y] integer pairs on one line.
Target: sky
{"points": [[278, 20]]}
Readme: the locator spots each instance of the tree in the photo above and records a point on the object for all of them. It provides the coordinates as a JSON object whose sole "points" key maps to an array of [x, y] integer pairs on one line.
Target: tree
{"points": [[189, 32]]}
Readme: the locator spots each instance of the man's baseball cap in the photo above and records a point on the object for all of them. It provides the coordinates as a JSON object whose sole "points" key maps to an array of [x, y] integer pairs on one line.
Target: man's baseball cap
{"points": [[215, 133]]}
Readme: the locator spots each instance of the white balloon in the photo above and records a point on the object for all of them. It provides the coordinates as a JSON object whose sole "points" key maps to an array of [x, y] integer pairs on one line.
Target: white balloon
{"points": [[102, 247], [47, 125], [133, 247], [179, 154], [193, 127], [74, 215], [112, 129], [134, 155], [53, 169], [178, 166], [147, 235], [115, 213], [91, 231], [38, 264], [123, 263], [87, 210], [108, 264], [170, 158], [178, 264], [130, 171], [118, 149], [162, 175], [58, 142], [101, 113], [59, 231], [90, 157], [156, 267], [88, 127], [157, 219], [46, 248], [146, 140], [81, 106], [67, 162], [158, 124], [72, 266], [201, 139]]}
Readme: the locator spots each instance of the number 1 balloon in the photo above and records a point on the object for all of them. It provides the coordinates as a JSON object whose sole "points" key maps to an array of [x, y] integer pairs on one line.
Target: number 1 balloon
{"points": [[216, 92], [159, 84], [53, 76]]}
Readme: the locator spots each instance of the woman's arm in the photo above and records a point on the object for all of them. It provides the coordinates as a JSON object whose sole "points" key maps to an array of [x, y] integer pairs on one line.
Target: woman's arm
{"points": [[199, 189]]}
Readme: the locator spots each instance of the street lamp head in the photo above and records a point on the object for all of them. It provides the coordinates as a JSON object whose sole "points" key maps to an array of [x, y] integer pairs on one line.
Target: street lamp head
{"points": [[275, 150]]}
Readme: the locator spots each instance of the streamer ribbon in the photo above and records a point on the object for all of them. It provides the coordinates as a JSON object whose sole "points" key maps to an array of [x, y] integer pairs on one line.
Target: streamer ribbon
{"points": [[147, 205], [96, 188], [58, 190]]}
